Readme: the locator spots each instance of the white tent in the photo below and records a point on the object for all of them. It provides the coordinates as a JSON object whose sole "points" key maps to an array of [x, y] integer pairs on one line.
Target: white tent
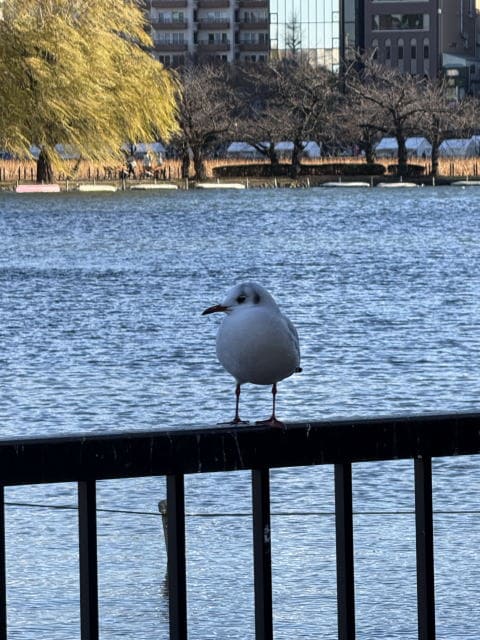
{"points": [[311, 149], [66, 152], [242, 150], [458, 148], [141, 148], [417, 147], [284, 148], [476, 141]]}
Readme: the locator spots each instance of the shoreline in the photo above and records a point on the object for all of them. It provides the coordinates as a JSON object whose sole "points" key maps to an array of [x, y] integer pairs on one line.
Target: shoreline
{"points": [[253, 183]]}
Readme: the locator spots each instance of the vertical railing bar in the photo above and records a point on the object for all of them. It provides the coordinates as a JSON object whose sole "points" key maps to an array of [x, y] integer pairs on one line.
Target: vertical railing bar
{"points": [[345, 553], [87, 526], [425, 555], [262, 554], [177, 577], [3, 568]]}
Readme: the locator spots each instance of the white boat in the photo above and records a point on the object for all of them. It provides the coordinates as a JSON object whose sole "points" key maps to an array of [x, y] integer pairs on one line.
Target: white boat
{"points": [[396, 185], [466, 183], [346, 184], [219, 185], [153, 186], [96, 187], [37, 188]]}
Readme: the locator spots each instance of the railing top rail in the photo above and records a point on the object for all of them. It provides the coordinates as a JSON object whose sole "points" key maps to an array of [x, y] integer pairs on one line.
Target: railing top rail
{"points": [[98, 456]]}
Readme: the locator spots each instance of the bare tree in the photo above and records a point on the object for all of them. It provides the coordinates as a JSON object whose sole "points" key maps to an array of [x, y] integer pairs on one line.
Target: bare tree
{"points": [[205, 114], [293, 40], [357, 123], [261, 115], [287, 100], [444, 118], [398, 97]]}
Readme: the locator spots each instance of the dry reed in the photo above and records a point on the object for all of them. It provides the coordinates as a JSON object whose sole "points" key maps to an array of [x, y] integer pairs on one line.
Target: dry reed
{"points": [[25, 170]]}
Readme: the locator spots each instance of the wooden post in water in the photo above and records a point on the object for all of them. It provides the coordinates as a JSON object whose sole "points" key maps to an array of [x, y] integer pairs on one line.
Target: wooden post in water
{"points": [[162, 507]]}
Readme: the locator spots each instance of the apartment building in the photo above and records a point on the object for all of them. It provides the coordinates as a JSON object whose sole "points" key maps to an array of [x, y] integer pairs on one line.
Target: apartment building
{"points": [[426, 37], [209, 30]]}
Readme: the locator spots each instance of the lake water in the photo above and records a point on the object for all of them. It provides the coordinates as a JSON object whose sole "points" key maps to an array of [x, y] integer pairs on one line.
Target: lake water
{"points": [[101, 329]]}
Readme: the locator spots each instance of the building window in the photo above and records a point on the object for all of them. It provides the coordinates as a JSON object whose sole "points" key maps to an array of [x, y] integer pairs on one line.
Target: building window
{"points": [[426, 49], [398, 21], [400, 49], [413, 50], [388, 50], [178, 16]]}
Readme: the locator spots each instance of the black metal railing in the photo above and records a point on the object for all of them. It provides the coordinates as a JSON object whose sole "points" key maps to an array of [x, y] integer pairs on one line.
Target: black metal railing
{"points": [[85, 459]]}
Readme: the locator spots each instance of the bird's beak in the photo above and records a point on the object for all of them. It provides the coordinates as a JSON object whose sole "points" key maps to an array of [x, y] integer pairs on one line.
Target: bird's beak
{"points": [[215, 309]]}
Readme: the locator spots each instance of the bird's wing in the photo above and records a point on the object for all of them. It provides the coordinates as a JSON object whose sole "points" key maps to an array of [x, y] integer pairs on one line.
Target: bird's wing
{"points": [[294, 335]]}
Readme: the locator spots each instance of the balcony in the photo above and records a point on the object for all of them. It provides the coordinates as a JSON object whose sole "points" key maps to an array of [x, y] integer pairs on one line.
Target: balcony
{"points": [[164, 47], [213, 4], [169, 4], [213, 47], [165, 25], [213, 24], [253, 4], [254, 46], [254, 25]]}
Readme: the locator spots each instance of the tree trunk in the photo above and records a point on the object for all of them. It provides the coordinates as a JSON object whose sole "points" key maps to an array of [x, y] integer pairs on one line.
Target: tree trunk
{"points": [[44, 167], [296, 152], [435, 156], [199, 164], [369, 149], [402, 155], [273, 157], [185, 161]]}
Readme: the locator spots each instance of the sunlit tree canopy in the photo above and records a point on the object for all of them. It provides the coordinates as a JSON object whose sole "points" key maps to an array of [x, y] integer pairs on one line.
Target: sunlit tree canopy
{"points": [[78, 73]]}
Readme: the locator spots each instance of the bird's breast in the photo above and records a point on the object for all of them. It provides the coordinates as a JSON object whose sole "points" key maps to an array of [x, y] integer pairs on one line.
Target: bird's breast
{"points": [[256, 346]]}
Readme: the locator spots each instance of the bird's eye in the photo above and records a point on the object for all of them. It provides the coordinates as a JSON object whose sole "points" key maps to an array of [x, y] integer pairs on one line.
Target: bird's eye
{"points": [[241, 299]]}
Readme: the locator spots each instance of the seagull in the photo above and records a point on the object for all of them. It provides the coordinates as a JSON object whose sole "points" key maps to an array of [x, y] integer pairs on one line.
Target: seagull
{"points": [[255, 343]]}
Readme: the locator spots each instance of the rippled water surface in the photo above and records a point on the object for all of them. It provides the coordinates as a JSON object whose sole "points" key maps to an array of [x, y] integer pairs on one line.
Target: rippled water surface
{"points": [[101, 330]]}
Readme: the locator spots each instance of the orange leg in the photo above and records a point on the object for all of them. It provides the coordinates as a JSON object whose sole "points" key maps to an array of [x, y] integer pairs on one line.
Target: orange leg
{"points": [[273, 418]]}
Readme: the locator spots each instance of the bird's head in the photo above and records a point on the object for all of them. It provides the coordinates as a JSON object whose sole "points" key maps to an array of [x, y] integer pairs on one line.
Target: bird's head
{"points": [[242, 296]]}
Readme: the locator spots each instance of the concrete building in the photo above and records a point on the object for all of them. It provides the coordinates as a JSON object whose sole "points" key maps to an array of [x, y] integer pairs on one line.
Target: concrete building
{"points": [[426, 37], [209, 30], [250, 30]]}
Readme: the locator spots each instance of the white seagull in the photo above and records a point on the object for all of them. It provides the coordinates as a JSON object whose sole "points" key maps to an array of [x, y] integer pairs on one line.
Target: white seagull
{"points": [[255, 343]]}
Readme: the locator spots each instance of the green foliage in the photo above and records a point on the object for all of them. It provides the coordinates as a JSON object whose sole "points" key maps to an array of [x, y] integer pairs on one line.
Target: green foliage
{"points": [[77, 72]]}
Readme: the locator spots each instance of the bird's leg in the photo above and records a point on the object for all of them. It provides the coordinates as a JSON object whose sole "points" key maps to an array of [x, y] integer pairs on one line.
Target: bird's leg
{"points": [[272, 421], [236, 419]]}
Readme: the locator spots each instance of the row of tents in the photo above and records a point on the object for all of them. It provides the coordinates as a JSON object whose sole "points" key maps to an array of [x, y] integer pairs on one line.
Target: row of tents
{"points": [[418, 147], [240, 149]]}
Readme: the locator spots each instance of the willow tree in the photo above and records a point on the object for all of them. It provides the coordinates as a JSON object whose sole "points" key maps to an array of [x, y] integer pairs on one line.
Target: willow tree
{"points": [[78, 73]]}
